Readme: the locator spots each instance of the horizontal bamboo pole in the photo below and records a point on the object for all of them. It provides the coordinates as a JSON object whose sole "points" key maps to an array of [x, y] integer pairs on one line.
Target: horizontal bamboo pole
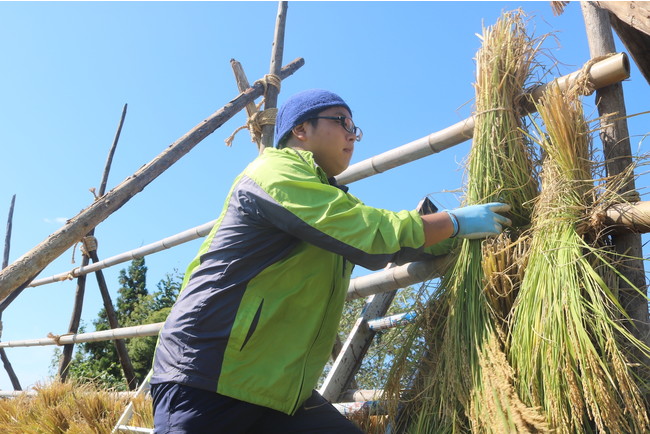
{"points": [[133, 429], [632, 217], [166, 243], [387, 280], [603, 73], [27, 266], [391, 321], [18, 393], [104, 335], [357, 408], [362, 395], [397, 277]]}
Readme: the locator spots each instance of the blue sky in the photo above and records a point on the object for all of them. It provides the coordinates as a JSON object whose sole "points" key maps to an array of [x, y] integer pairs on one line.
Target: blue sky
{"points": [[405, 68]]}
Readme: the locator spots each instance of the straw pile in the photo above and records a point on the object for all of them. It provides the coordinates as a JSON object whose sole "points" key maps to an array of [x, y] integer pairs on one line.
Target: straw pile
{"points": [[451, 389], [70, 408], [523, 334], [566, 341]]}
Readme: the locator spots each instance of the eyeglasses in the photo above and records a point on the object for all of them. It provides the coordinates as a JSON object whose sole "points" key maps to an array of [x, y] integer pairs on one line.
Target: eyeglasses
{"points": [[346, 123]]}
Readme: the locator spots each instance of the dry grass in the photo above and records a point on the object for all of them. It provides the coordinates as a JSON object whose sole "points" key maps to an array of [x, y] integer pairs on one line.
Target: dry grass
{"points": [[566, 337], [452, 389], [68, 408]]}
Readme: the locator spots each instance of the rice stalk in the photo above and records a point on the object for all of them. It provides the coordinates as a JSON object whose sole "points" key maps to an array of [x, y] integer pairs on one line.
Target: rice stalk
{"points": [[566, 341], [69, 408], [500, 167]]}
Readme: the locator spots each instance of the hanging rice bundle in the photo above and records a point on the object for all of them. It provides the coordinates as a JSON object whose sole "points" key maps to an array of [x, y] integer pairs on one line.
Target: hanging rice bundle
{"points": [[453, 393], [566, 343]]}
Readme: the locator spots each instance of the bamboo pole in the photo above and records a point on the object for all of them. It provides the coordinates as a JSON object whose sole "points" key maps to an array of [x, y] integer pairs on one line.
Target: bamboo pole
{"points": [[271, 96], [397, 277], [121, 424], [28, 265], [635, 218], [104, 335], [166, 243], [618, 156], [602, 73], [383, 281], [5, 261], [628, 217]]}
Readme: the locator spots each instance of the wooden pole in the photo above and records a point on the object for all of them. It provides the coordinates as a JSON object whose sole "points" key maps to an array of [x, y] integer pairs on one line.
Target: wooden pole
{"points": [[271, 97], [111, 152], [75, 319], [5, 257], [242, 85], [66, 356], [5, 261], [120, 346], [617, 152], [28, 265]]}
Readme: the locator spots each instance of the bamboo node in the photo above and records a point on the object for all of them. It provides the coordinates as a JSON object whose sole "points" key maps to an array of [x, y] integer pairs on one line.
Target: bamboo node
{"points": [[88, 244], [57, 338]]}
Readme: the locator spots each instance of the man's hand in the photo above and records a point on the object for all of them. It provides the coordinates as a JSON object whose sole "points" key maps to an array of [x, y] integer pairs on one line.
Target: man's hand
{"points": [[479, 221]]}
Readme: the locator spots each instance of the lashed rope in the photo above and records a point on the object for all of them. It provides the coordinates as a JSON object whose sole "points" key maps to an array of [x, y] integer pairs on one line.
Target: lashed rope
{"points": [[88, 244], [57, 338], [258, 119], [583, 80]]}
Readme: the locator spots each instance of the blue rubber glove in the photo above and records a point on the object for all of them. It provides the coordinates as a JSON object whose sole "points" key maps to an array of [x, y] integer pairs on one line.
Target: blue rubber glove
{"points": [[479, 221]]}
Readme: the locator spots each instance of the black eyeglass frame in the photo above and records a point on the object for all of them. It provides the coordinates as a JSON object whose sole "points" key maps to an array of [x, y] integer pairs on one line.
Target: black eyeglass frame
{"points": [[355, 130]]}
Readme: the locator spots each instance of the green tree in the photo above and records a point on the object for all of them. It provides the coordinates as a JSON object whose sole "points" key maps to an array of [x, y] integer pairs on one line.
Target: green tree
{"points": [[133, 287], [98, 361]]}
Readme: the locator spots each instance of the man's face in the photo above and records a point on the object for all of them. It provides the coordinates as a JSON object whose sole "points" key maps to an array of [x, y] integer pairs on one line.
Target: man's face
{"points": [[331, 144]]}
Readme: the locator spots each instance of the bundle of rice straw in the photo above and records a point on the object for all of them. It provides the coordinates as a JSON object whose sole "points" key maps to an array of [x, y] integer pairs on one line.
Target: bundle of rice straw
{"points": [[566, 343], [453, 392]]}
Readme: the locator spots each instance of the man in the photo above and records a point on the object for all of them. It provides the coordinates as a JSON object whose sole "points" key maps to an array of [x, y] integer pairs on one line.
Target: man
{"points": [[257, 316]]}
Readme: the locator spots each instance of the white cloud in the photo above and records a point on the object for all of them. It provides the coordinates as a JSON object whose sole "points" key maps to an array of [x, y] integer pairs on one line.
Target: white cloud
{"points": [[56, 220]]}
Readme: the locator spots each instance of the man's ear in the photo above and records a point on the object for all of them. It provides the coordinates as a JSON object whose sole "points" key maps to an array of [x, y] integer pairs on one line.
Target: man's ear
{"points": [[300, 132]]}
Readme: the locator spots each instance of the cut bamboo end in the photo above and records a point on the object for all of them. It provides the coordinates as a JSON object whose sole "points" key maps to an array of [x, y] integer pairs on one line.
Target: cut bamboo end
{"points": [[631, 217]]}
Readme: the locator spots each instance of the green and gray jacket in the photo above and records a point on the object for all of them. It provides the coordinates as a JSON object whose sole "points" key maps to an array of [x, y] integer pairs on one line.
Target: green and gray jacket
{"points": [[260, 305]]}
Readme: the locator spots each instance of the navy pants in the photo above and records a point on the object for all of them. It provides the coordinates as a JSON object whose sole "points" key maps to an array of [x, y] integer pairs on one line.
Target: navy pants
{"points": [[182, 409]]}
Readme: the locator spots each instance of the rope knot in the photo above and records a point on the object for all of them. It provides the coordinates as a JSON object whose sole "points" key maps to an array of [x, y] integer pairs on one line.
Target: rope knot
{"points": [[260, 118], [88, 244], [583, 80], [57, 338]]}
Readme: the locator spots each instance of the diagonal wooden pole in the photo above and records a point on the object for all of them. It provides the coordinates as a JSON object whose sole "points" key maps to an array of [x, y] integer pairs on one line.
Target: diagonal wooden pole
{"points": [[242, 85], [5, 261], [120, 346], [31, 263]]}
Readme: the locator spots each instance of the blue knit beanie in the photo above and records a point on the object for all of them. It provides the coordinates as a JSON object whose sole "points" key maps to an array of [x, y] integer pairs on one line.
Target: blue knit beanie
{"points": [[303, 106]]}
